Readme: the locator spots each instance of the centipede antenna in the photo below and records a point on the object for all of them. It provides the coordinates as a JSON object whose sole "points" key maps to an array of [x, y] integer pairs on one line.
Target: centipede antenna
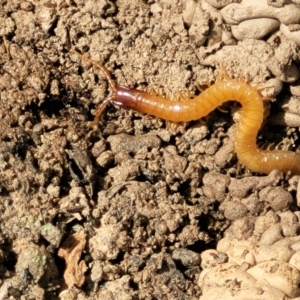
{"points": [[112, 84], [102, 69]]}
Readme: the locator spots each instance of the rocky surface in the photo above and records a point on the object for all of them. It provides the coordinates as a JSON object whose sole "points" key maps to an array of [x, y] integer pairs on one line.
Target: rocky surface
{"points": [[137, 208]]}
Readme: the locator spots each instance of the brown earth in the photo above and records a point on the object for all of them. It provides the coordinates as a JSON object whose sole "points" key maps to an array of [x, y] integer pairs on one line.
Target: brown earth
{"points": [[121, 211]]}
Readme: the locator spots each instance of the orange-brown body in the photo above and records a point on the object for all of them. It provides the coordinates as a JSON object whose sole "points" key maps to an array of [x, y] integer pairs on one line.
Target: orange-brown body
{"points": [[255, 159]]}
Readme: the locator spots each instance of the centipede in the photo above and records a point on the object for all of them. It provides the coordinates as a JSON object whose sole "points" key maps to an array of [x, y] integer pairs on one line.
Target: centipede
{"points": [[224, 89]]}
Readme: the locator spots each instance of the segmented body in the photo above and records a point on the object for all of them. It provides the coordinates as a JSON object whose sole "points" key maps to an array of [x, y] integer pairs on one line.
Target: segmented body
{"points": [[225, 89]]}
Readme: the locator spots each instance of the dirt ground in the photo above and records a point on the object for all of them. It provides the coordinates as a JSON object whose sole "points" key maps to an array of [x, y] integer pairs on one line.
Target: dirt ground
{"points": [[125, 209]]}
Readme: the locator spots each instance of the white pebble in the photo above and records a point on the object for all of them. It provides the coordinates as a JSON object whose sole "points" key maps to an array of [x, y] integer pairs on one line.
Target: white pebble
{"points": [[292, 32], [235, 13], [254, 28]]}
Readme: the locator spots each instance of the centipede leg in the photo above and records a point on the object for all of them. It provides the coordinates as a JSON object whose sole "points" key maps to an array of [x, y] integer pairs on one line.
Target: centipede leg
{"points": [[222, 75], [179, 97], [100, 109]]}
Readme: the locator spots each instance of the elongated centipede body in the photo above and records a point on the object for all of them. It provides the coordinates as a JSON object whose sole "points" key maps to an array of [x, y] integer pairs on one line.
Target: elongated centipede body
{"points": [[225, 89]]}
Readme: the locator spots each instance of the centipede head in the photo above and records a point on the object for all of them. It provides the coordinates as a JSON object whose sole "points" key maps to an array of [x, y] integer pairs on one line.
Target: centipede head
{"points": [[112, 84]]}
